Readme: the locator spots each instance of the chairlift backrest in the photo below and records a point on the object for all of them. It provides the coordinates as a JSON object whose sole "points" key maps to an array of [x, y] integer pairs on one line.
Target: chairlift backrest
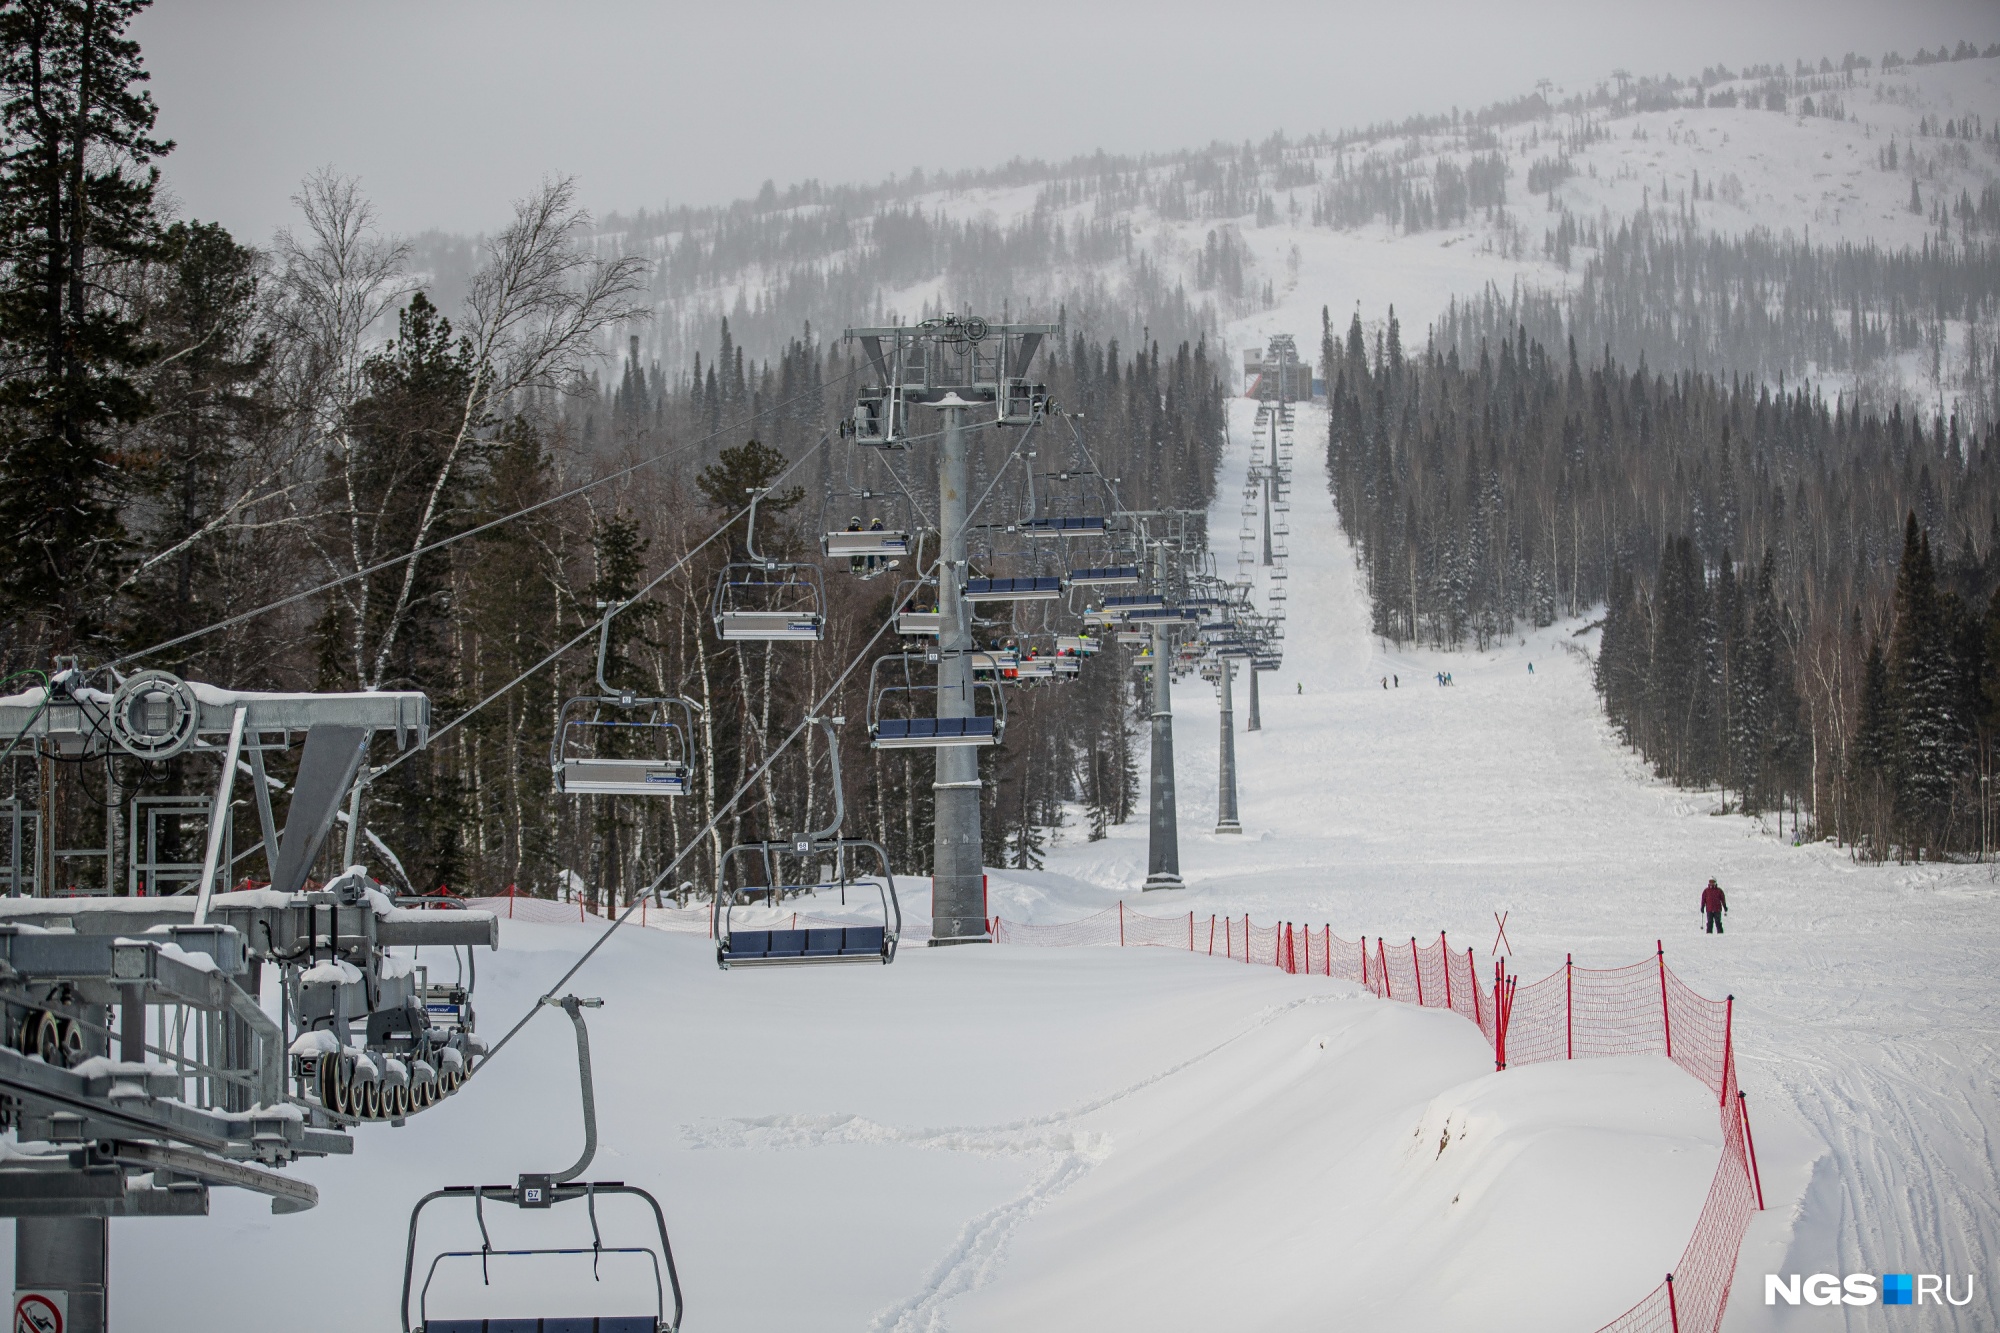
{"points": [[1034, 588], [768, 600], [899, 720]]}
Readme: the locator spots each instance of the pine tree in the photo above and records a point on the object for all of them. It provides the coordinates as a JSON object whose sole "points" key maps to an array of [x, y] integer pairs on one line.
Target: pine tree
{"points": [[76, 207]]}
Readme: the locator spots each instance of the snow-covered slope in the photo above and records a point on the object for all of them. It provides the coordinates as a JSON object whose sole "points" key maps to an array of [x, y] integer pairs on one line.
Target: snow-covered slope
{"points": [[1863, 994], [977, 1138]]}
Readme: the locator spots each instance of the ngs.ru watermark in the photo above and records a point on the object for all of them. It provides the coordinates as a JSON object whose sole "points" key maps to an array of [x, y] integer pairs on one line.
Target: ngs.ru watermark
{"points": [[1860, 1289]]}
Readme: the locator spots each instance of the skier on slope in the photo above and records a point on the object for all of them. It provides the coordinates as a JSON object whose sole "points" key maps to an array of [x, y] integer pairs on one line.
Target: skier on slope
{"points": [[1713, 904]]}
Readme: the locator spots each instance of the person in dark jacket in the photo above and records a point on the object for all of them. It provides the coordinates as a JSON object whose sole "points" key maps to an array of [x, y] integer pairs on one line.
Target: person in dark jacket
{"points": [[1714, 905]]}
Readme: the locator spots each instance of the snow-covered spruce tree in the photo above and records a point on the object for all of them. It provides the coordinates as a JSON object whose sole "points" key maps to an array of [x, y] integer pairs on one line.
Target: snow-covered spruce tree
{"points": [[77, 214], [1929, 751]]}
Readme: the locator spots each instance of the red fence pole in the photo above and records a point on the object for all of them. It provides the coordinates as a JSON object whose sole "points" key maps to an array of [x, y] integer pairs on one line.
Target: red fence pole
{"points": [[1472, 977], [1121, 925], [1569, 1022], [1211, 934], [1190, 932], [1728, 1047], [1673, 1306], [1329, 948], [1382, 966], [1291, 955], [1743, 1105], [1364, 960], [1418, 969], [1666, 1015], [1444, 956]]}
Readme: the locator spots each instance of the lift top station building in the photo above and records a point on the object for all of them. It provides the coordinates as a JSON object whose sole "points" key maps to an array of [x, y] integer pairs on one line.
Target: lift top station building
{"points": [[175, 1037]]}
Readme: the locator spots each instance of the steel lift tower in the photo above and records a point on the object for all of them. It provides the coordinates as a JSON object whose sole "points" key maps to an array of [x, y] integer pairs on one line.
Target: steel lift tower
{"points": [[962, 368]]}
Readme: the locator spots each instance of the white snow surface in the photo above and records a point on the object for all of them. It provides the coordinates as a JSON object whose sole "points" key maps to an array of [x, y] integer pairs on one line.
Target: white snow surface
{"points": [[979, 1138]]}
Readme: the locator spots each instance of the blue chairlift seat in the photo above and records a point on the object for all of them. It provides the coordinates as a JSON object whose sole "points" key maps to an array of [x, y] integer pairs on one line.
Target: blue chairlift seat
{"points": [[918, 733], [1164, 615], [1104, 576], [816, 944], [585, 1323], [1033, 589], [1064, 527], [1150, 601]]}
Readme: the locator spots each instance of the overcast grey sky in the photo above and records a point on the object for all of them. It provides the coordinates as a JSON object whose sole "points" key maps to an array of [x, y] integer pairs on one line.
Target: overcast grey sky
{"points": [[448, 109]]}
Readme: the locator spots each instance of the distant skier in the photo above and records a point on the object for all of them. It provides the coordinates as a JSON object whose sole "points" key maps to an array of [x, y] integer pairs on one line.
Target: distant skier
{"points": [[1385, 682], [1301, 686], [1713, 904], [1531, 668]]}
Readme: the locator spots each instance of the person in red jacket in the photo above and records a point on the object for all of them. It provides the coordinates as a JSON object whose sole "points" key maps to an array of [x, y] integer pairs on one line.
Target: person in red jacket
{"points": [[1714, 904]]}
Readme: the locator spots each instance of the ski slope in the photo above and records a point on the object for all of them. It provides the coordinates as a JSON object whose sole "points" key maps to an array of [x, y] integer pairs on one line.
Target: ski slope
{"points": [[980, 1138], [1864, 994]]}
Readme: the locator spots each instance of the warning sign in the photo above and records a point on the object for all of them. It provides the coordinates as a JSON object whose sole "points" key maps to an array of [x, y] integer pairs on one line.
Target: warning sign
{"points": [[41, 1311]]}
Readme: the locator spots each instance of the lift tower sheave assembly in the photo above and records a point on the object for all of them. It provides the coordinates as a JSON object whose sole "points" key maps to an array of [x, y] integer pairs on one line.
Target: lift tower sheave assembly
{"points": [[139, 1065], [961, 367]]}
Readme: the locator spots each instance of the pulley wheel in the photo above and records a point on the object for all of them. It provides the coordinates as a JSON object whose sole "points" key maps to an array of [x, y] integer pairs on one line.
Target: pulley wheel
{"points": [[47, 1038], [72, 1043], [154, 715]]}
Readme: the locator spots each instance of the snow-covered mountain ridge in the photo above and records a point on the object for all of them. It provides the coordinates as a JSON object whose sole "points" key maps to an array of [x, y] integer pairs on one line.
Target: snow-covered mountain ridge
{"points": [[1235, 240]]}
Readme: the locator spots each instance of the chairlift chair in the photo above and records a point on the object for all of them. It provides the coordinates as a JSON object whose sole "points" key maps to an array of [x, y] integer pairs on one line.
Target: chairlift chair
{"points": [[1036, 668], [827, 942], [534, 1192], [999, 664], [857, 543], [1082, 645], [768, 600], [1134, 638], [872, 547], [659, 728], [896, 720]]}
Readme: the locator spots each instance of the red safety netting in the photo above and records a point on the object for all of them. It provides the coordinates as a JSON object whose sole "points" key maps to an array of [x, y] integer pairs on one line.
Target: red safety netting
{"points": [[1574, 1013]]}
